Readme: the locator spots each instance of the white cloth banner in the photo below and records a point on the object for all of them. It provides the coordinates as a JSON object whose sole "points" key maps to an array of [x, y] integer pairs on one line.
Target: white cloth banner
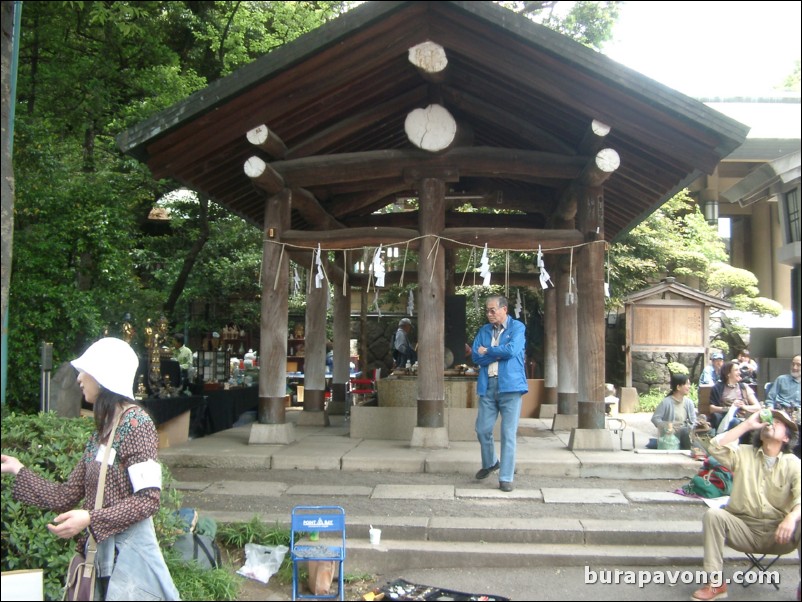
{"points": [[319, 263], [378, 267], [544, 275], [484, 268]]}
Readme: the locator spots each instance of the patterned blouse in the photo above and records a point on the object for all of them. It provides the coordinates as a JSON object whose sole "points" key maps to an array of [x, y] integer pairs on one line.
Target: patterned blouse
{"points": [[135, 441]]}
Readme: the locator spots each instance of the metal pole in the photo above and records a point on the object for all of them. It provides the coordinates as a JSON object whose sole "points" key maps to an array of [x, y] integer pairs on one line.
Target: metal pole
{"points": [[47, 366]]}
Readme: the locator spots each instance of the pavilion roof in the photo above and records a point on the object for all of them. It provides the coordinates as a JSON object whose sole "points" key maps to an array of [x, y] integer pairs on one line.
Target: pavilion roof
{"points": [[343, 92]]}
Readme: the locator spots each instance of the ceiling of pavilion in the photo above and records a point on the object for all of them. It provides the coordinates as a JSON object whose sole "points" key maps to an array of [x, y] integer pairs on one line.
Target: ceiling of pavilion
{"points": [[345, 90]]}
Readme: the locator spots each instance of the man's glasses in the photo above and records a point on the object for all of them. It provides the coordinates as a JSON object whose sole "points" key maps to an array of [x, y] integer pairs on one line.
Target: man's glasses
{"points": [[492, 310]]}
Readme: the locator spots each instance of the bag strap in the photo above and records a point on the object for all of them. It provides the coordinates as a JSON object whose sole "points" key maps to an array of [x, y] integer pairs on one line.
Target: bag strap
{"points": [[214, 558], [91, 544]]}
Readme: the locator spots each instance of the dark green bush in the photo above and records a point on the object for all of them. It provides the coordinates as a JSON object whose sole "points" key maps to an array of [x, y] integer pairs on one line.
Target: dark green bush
{"points": [[51, 446]]}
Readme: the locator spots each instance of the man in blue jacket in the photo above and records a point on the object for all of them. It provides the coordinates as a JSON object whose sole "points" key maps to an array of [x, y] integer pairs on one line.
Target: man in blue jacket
{"points": [[498, 351]]}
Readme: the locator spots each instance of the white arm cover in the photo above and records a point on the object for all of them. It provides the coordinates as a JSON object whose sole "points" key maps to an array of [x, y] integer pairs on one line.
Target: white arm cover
{"points": [[145, 475]]}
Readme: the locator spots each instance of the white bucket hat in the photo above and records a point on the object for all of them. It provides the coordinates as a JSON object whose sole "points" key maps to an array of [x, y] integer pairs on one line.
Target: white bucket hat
{"points": [[112, 363]]}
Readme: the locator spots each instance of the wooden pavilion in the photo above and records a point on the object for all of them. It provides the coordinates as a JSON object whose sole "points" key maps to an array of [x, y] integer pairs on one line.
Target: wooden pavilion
{"points": [[452, 104]]}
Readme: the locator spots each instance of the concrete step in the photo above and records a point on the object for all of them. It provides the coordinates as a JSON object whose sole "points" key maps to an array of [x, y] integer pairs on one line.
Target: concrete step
{"points": [[476, 531], [446, 542], [398, 555]]}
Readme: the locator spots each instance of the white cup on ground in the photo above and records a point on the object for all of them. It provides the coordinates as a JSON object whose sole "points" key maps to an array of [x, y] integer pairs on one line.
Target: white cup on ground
{"points": [[375, 537]]}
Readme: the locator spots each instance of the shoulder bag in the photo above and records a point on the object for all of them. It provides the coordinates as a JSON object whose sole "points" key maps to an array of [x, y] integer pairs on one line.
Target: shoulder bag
{"points": [[81, 574]]}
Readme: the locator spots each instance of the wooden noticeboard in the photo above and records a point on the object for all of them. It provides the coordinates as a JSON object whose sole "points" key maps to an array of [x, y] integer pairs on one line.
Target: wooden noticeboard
{"points": [[655, 326], [668, 318]]}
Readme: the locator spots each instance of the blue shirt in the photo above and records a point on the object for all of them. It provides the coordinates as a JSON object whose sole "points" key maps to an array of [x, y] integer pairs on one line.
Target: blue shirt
{"points": [[509, 353], [709, 376], [784, 393]]}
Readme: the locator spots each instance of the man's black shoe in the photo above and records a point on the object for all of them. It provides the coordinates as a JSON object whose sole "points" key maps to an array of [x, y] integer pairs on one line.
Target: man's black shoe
{"points": [[505, 486], [485, 472]]}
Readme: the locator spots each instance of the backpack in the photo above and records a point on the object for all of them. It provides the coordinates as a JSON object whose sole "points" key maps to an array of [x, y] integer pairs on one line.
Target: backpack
{"points": [[712, 480], [201, 549]]}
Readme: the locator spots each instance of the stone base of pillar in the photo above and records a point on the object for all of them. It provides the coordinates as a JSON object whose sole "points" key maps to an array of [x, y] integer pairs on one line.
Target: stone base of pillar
{"points": [[274, 434], [550, 395], [429, 437], [548, 411], [312, 418], [336, 408], [564, 422], [591, 439]]}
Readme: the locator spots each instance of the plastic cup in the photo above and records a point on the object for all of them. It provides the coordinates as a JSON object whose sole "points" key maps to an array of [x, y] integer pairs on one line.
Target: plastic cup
{"points": [[375, 537]]}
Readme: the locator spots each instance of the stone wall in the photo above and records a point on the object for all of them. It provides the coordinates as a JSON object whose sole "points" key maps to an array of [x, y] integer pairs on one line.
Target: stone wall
{"points": [[650, 370], [379, 333]]}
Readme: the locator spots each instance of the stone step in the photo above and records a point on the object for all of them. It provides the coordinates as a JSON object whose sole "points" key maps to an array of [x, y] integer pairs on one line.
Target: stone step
{"points": [[398, 555], [490, 530]]}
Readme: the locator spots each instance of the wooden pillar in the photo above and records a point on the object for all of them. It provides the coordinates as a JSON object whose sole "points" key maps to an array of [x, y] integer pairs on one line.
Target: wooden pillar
{"points": [[550, 342], [591, 331], [315, 352], [431, 283], [591, 432], [273, 327], [341, 318], [567, 350]]}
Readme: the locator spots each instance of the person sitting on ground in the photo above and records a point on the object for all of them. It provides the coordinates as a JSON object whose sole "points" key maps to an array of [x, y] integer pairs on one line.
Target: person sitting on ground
{"points": [[731, 391], [710, 374], [677, 409], [763, 512], [784, 393], [748, 367]]}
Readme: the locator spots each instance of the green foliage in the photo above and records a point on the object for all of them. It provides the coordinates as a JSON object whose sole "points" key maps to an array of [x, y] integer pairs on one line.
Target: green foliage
{"points": [[677, 368], [647, 402], [236, 535], [84, 252], [589, 23], [254, 531], [197, 583], [674, 241], [51, 445]]}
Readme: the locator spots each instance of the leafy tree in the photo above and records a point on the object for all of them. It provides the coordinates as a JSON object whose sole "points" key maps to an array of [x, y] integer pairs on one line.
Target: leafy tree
{"points": [[792, 81], [84, 254], [589, 23], [677, 241]]}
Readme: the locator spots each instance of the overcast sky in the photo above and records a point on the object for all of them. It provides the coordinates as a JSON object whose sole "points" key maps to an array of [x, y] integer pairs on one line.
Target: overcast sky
{"points": [[709, 48]]}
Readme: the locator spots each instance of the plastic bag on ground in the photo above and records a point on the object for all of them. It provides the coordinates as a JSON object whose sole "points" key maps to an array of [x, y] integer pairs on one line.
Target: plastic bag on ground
{"points": [[262, 562]]}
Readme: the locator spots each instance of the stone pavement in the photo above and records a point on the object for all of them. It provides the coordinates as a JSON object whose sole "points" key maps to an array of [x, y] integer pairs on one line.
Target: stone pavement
{"points": [[568, 509]]}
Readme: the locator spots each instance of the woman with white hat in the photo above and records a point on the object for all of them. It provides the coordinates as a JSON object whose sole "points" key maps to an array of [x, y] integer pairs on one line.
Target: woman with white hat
{"points": [[129, 562]]}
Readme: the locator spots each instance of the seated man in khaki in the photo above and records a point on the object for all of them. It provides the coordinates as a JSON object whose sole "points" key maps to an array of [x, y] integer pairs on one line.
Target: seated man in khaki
{"points": [[763, 513]]}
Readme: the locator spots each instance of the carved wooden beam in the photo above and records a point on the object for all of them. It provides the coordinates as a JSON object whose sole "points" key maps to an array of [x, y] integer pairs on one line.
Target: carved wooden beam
{"points": [[349, 238], [432, 129], [366, 201], [262, 137], [593, 140], [394, 277], [263, 175], [312, 211], [495, 238], [593, 175], [360, 121], [514, 238], [430, 60], [490, 112], [384, 164]]}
